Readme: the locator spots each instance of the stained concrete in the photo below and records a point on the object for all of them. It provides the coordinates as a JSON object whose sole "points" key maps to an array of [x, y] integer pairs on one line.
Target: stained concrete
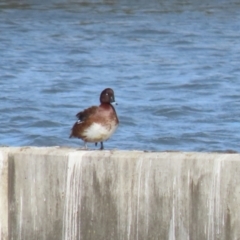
{"points": [[63, 193], [3, 194]]}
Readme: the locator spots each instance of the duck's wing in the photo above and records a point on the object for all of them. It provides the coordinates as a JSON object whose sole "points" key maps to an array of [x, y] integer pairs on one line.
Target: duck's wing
{"points": [[82, 122], [86, 113]]}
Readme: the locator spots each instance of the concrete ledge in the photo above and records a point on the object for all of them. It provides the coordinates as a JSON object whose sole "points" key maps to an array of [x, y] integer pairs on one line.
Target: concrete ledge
{"points": [[63, 193]]}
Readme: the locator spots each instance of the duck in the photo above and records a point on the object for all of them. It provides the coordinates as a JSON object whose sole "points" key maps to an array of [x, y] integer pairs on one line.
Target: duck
{"points": [[97, 123]]}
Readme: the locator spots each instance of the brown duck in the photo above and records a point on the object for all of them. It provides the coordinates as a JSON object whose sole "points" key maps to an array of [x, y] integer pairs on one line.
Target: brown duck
{"points": [[97, 124]]}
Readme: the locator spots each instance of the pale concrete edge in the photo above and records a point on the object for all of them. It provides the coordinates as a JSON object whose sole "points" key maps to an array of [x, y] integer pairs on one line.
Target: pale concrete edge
{"points": [[62, 150], [4, 155]]}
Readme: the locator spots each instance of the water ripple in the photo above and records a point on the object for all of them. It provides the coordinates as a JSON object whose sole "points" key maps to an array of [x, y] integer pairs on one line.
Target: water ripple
{"points": [[174, 67]]}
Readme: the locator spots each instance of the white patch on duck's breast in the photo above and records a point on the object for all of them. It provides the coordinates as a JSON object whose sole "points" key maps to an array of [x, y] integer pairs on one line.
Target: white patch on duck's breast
{"points": [[98, 133]]}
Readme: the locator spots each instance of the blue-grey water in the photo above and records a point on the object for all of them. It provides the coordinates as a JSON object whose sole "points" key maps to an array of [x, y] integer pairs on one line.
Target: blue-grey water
{"points": [[174, 67]]}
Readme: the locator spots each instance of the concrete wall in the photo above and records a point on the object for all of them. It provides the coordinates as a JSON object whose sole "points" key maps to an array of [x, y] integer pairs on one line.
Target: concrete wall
{"points": [[56, 193]]}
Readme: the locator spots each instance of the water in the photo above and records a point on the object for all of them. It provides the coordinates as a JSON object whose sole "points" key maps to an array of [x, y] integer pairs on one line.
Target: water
{"points": [[174, 66]]}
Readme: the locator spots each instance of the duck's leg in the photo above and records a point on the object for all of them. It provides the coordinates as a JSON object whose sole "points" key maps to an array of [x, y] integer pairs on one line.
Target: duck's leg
{"points": [[101, 148], [85, 146], [96, 143]]}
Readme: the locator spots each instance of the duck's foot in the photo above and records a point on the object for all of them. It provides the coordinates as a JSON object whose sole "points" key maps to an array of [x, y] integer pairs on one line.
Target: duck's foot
{"points": [[101, 148]]}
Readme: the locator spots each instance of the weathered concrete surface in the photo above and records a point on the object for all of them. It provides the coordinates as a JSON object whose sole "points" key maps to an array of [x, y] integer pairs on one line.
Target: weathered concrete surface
{"points": [[68, 194], [3, 194]]}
